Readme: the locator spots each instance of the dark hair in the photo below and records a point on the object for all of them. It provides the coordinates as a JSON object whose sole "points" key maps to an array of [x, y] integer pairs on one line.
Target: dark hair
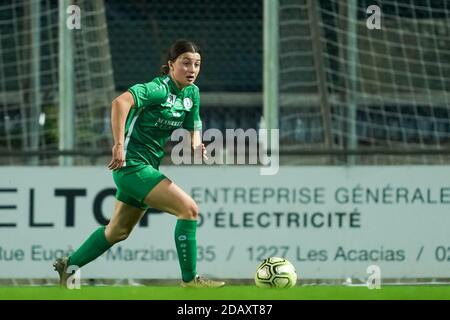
{"points": [[176, 49]]}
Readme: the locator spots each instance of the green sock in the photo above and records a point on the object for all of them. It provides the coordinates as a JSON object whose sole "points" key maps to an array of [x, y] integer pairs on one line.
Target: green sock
{"points": [[186, 243], [91, 249]]}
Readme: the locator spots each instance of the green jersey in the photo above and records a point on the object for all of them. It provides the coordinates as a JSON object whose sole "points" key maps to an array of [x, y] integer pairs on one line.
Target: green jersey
{"points": [[159, 108]]}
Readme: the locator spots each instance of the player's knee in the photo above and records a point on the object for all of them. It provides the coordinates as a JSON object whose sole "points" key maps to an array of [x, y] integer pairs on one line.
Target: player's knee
{"points": [[122, 235], [118, 234], [194, 211], [190, 211]]}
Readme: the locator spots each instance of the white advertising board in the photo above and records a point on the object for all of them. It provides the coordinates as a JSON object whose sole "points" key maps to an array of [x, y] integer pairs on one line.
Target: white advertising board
{"points": [[330, 222]]}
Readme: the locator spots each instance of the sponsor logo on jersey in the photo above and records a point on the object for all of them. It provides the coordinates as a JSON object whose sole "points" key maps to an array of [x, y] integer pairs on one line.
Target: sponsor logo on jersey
{"points": [[164, 124], [187, 103]]}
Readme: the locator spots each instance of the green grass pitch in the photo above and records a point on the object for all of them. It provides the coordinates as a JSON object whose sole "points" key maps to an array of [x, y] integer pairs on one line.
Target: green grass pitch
{"points": [[231, 292]]}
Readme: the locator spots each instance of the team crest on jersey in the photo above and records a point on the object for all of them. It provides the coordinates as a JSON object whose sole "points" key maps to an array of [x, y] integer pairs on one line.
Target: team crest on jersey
{"points": [[171, 99], [187, 103]]}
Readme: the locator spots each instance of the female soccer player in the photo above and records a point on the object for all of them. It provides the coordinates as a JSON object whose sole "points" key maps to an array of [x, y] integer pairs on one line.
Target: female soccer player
{"points": [[143, 119]]}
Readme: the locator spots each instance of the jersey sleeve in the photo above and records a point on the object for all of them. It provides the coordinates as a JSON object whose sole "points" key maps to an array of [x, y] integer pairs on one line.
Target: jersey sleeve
{"points": [[192, 121], [145, 94]]}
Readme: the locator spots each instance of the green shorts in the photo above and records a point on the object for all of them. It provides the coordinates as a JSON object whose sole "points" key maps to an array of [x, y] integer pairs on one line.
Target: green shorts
{"points": [[135, 182]]}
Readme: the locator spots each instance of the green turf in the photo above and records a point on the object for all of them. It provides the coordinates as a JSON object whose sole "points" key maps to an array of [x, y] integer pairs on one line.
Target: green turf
{"points": [[235, 292]]}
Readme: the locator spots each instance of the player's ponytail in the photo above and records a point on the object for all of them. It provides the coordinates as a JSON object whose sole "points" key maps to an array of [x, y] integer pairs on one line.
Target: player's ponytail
{"points": [[176, 49]]}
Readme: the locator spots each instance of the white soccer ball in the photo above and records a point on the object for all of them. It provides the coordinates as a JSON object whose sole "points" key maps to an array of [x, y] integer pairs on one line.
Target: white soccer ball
{"points": [[275, 272]]}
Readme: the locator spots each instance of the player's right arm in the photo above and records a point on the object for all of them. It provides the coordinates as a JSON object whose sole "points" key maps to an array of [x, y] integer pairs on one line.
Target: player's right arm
{"points": [[140, 95], [119, 111]]}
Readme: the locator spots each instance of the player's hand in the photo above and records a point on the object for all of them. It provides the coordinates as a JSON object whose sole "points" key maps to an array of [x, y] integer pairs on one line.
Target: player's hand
{"points": [[118, 157], [204, 153], [203, 148]]}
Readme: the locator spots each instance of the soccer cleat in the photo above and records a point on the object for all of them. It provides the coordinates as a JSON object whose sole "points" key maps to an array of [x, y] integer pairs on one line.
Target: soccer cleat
{"points": [[202, 282], [60, 266]]}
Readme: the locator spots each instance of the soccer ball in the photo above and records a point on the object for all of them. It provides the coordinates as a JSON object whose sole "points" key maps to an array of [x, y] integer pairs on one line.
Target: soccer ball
{"points": [[275, 272]]}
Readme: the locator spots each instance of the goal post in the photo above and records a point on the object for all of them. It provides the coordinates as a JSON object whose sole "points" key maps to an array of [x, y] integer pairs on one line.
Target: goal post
{"points": [[271, 66], [65, 83], [365, 78], [56, 82]]}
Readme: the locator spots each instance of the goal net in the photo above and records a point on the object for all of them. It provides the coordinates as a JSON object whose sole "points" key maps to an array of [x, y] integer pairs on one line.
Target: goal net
{"points": [[29, 78], [366, 76]]}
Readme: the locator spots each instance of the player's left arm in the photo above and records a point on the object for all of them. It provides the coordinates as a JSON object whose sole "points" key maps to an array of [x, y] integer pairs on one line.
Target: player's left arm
{"points": [[193, 123], [196, 143]]}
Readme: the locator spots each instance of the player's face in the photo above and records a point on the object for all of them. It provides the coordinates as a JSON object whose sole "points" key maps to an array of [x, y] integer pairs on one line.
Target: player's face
{"points": [[185, 68]]}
